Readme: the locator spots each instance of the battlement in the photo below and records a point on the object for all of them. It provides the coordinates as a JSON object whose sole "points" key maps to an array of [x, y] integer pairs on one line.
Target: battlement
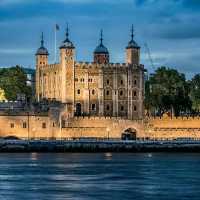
{"points": [[51, 66], [86, 65]]}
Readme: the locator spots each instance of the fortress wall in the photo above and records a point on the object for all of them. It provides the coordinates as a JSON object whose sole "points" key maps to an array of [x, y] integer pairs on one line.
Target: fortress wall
{"points": [[99, 127], [36, 126], [173, 128], [76, 127]]}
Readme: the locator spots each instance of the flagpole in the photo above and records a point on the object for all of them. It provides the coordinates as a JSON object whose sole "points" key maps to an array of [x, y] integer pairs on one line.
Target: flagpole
{"points": [[55, 44]]}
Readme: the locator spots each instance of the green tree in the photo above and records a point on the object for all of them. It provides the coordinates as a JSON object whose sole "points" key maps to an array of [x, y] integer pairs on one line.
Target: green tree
{"points": [[167, 90], [195, 91], [13, 82]]}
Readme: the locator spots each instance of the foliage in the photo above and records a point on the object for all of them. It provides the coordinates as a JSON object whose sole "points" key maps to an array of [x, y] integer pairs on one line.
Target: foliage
{"points": [[195, 92], [167, 91], [13, 82], [2, 95]]}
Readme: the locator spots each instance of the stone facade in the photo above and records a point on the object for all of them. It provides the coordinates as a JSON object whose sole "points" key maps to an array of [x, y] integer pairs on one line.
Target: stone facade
{"points": [[45, 127], [56, 127], [98, 88], [167, 128]]}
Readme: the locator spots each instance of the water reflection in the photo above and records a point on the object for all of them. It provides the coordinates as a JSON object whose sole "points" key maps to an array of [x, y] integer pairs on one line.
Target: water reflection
{"points": [[99, 176]]}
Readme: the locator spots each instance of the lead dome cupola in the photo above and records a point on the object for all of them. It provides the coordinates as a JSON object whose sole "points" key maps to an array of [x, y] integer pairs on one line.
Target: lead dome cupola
{"points": [[101, 49], [132, 44], [42, 50], [67, 44]]}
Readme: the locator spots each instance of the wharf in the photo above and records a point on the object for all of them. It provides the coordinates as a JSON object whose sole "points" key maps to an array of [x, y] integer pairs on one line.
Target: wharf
{"points": [[91, 145]]}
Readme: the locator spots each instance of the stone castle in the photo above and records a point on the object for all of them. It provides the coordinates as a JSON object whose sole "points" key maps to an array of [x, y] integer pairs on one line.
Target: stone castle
{"points": [[98, 88], [96, 100]]}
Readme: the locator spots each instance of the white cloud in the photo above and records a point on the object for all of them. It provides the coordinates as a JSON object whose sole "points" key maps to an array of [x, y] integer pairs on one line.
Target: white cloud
{"points": [[5, 2], [16, 51], [93, 1]]}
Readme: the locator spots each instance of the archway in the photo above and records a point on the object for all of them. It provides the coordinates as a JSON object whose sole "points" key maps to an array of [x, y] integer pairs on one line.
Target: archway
{"points": [[78, 109], [129, 134]]}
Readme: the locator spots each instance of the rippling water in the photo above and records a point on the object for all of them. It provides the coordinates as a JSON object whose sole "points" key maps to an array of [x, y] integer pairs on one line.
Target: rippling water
{"points": [[99, 176]]}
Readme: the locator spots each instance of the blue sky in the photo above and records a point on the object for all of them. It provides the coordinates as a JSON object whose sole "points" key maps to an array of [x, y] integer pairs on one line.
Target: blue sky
{"points": [[169, 27]]}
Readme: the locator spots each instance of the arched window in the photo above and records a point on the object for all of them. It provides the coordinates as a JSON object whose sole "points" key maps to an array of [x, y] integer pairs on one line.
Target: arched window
{"points": [[135, 82], [135, 93], [93, 106], [135, 108], [78, 91], [122, 82], [121, 93], [93, 92], [108, 107], [107, 92], [122, 108]]}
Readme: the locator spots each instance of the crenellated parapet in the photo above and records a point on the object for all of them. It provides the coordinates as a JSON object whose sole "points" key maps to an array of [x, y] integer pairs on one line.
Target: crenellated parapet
{"points": [[51, 67]]}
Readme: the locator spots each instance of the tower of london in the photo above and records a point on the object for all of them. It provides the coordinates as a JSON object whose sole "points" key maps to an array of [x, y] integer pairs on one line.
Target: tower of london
{"points": [[98, 88]]}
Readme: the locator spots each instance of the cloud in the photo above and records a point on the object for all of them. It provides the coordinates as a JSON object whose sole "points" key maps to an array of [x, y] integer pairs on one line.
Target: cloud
{"points": [[16, 51], [169, 27], [9, 2]]}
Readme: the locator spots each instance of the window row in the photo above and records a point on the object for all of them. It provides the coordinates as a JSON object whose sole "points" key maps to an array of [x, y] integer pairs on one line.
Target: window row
{"points": [[24, 125], [108, 92], [122, 82], [122, 108], [82, 80], [79, 92]]}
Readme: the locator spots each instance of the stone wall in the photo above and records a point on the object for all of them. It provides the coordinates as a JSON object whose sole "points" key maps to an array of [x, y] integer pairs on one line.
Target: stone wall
{"points": [[32, 126], [45, 127], [25, 126], [167, 128], [101, 127]]}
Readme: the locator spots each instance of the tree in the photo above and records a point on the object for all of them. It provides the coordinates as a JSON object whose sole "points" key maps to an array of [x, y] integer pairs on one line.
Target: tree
{"points": [[2, 95], [13, 82], [167, 90], [195, 91]]}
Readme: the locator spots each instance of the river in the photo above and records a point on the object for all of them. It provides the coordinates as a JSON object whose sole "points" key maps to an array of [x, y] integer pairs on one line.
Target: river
{"points": [[100, 176]]}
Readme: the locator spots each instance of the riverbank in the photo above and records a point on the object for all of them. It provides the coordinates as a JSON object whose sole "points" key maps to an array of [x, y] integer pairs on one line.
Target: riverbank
{"points": [[99, 146]]}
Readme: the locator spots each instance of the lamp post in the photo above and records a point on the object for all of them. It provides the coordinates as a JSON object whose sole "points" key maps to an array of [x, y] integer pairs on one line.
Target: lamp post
{"points": [[28, 124], [108, 132]]}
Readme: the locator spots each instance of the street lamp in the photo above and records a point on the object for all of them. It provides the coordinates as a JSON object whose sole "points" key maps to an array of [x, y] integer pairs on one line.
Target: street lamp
{"points": [[108, 132]]}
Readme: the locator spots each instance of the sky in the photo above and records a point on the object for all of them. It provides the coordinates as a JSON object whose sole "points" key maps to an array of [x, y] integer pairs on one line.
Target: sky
{"points": [[170, 28]]}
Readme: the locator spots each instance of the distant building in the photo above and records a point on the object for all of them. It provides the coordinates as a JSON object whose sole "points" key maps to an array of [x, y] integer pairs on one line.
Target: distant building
{"points": [[2, 95], [97, 88], [30, 74]]}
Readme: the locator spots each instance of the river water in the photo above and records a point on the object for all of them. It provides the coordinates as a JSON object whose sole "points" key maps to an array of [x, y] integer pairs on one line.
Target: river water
{"points": [[99, 176]]}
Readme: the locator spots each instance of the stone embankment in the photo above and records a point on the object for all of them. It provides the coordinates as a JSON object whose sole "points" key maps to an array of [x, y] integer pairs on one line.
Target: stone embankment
{"points": [[99, 146]]}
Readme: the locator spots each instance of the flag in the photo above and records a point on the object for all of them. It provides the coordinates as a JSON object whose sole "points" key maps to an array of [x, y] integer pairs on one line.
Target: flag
{"points": [[57, 27]]}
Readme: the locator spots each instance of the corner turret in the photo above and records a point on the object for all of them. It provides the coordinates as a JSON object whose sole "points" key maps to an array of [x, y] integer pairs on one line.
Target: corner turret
{"points": [[101, 54], [132, 51]]}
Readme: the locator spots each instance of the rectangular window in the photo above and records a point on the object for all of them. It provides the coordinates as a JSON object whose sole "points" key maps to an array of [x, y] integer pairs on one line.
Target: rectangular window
{"points": [[12, 125], [135, 82], [43, 125], [24, 125], [108, 107]]}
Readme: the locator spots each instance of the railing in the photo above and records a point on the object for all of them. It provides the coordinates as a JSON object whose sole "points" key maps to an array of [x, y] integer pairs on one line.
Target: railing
{"points": [[105, 139]]}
